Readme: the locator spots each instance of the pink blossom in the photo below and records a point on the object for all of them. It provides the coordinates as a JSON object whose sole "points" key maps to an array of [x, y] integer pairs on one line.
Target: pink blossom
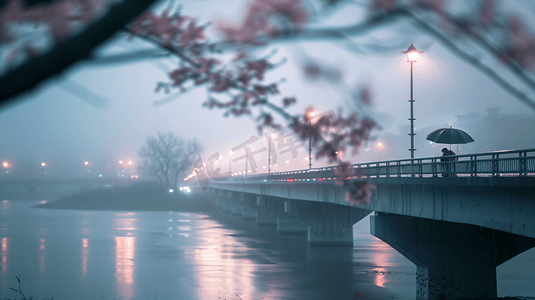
{"points": [[343, 171], [191, 34], [387, 5], [360, 193], [487, 12], [287, 101], [259, 20], [365, 95], [522, 44], [258, 67]]}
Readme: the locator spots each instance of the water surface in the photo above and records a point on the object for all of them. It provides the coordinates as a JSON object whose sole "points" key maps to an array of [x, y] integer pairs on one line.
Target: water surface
{"points": [[74, 254]]}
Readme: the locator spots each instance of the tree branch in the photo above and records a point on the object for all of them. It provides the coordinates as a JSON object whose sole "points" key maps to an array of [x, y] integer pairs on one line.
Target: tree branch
{"points": [[65, 53], [475, 62]]}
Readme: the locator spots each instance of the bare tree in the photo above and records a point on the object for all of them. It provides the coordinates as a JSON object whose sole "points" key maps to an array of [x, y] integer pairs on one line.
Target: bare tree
{"points": [[166, 157]]}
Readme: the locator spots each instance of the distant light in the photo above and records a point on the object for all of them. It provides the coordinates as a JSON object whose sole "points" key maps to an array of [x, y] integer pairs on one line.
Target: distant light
{"points": [[129, 162], [306, 158], [230, 152], [171, 190], [86, 163], [287, 162], [121, 162], [204, 165], [275, 165], [134, 177], [43, 164], [380, 144], [5, 164], [263, 167], [181, 188], [99, 175], [220, 156]]}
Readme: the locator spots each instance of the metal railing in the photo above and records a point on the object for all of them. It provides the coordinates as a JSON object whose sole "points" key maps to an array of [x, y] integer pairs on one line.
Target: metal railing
{"points": [[497, 163]]}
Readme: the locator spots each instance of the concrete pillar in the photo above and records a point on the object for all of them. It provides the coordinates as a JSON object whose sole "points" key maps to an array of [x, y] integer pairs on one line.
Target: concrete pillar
{"points": [[454, 261], [263, 216], [287, 226], [248, 213], [329, 223]]}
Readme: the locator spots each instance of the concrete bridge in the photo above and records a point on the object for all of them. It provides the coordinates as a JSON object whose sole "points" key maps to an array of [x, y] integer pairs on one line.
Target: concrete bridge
{"points": [[456, 221]]}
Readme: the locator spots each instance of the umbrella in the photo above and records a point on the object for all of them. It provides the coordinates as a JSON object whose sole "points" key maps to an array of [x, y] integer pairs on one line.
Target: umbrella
{"points": [[449, 136]]}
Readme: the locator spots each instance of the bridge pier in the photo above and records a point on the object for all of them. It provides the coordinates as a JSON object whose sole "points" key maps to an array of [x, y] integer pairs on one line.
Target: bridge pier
{"points": [[263, 216], [453, 260], [329, 223], [286, 225]]}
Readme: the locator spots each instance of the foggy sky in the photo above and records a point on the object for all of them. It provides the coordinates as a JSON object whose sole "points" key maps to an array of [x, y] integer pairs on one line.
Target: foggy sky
{"points": [[53, 125]]}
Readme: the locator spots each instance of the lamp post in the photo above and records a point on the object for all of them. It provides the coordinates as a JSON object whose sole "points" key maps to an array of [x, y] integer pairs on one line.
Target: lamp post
{"points": [[86, 164], [6, 166], [230, 162], [269, 152], [310, 115], [43, 168], [121, 172], [412, 56]]}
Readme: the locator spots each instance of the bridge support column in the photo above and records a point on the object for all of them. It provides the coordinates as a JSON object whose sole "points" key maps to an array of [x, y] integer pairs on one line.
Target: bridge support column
{"points": [[291, 226], [263, 216], [453, 260], [329, 223], [248, 213]]}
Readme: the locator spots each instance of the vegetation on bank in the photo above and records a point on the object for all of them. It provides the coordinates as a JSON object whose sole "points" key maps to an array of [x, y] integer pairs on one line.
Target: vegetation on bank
{"points": [[141, 196]]}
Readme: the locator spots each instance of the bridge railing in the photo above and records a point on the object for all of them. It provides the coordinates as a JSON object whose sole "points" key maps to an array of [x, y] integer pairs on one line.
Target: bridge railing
{"points": [[496, 163]]}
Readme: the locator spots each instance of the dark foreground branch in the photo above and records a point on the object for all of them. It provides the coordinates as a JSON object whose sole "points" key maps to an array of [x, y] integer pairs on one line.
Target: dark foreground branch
{"points": [[65, 53]]}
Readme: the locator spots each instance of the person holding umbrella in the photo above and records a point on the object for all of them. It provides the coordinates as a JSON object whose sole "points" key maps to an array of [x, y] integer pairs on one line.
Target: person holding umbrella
{"points": [[449, 136], [446, 168]]}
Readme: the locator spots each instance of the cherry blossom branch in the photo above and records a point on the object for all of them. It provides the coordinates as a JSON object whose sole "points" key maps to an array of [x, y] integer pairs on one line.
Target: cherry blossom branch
{"points": [[476, 63], [392, 14], [69, 51], [511, 64]]}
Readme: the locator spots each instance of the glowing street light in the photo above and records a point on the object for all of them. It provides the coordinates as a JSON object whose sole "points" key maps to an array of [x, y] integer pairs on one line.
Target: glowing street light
{"points": [[43, 164], [5, 164], [412, 56], [86, 163], [130, 162], [310, 114], [121, 162], [269, 152]]}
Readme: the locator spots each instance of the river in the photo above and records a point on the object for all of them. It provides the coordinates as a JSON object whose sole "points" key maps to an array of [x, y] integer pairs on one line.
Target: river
{"points": [[76, 254]]}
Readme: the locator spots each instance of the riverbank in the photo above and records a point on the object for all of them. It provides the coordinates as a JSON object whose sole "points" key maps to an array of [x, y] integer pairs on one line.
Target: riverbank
{"points": [[142, 196]]}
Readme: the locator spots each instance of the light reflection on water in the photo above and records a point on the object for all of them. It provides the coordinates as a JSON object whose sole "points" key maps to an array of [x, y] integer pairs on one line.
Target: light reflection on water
{"points": [[85, 254], [134, 254], [217, 262], [124, 265]]}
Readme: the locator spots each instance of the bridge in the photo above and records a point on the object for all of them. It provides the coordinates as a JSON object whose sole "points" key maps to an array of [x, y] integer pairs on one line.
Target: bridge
{"points": [[456, 220]]}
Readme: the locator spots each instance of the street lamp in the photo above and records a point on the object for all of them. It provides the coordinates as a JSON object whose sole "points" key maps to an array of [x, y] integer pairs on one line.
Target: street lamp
{"points": [[86, 163], [269, 153], [230, 161], [5, 164], [412, 56], [310, 115], [43, 165]]}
